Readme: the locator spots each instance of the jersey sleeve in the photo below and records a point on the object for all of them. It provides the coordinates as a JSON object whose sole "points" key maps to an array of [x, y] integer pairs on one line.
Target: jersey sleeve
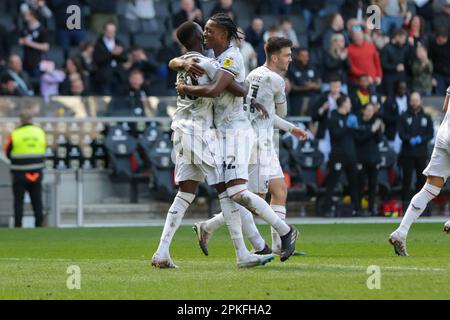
{"points": [[210, 66], [231, 63], [280, 96]]}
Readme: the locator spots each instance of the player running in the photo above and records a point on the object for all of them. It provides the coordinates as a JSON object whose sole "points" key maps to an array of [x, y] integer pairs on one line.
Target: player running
{"points": [[198, 152], [237, 134], [437, 172], [267, 87]]}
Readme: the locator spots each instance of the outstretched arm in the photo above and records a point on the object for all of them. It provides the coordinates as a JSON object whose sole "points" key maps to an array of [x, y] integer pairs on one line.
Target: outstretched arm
{"points": [[221, 82], [284, 125]]}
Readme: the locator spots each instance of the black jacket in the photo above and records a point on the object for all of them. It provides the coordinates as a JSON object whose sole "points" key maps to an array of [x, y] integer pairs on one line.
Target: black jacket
{"points": [[390, 115], [441, 58], [332, 65], [392, 55], [412, 125], [322, 119], [367, 142], [343, 147], [103, 59]]}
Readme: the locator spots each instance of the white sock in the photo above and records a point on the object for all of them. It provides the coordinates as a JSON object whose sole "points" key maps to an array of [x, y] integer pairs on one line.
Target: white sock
{"points": [[276, 240], [233, 221], [417, 206], [215, 223], [258, 206], [173, 220], [250, 230]]}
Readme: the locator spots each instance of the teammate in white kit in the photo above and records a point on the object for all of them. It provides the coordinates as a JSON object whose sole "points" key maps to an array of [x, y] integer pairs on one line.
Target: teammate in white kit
{"points": [[237, 134], [198, 152], [267, 87], [437, 172]]}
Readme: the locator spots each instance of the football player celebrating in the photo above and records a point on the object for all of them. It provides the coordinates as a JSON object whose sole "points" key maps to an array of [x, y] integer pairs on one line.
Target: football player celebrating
{"points": [[437, 172], [237, 134]]}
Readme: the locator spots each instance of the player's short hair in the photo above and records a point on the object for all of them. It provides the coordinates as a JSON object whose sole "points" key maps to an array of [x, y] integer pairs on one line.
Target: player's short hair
{"points": [[275, 44], [442, 32], [334, 77], [185, 33], [399, 32], [26, 116], [224, 20], [340, 101]]}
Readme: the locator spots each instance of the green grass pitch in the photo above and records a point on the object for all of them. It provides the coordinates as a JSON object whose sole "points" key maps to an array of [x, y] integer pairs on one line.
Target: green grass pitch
{"points": [[115, 264]]}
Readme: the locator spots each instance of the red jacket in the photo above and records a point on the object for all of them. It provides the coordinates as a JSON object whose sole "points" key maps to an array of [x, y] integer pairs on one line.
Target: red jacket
{"points": [[364, 59]]}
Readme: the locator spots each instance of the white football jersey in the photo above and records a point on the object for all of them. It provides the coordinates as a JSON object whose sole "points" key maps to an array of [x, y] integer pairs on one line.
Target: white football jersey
{"points": [[267, 88], [443, 134], [195, 113], [228, 109]]}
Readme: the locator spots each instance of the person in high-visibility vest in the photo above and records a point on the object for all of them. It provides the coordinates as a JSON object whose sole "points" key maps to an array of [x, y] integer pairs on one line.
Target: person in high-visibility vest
{"points": [[26, 149]]}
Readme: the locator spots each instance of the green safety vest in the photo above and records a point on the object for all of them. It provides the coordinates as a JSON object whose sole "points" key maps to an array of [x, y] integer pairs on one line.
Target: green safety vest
{"points": [[28, 148]]}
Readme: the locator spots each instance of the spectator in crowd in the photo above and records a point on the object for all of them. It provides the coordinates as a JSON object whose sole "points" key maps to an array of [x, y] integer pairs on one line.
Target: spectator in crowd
{"points": [[281, 7], [343, 157], [85, 58], [305, 81], [417, 31], [8, 86], [72, 70], [416, 130], [311, 8], [248, 53], [141, 11], [188, 12], [34, 39], [273, 31], [441, 14], [335, 61], [364, 59], [109, 54], [335, 26], [320, 111], [136, 92], [50, 79], [393, 108], [254, 33], [287, 31], [225, 6], [137, 59], [379, 39], [395, 58], [5, 45], [102, 12], [439, 54], [15, 70], [40, 6], [363, 95], [422, 72], [77, 87], [369, 134], [393, 14], [67, 37]]}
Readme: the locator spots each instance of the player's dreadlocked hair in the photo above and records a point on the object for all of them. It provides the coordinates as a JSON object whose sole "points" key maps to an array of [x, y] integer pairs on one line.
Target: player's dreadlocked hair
{"points": [[228, 24]]}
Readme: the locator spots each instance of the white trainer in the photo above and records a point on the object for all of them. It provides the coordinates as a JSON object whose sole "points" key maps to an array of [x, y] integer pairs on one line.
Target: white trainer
{"points": [[447, 227], [163, 263], [399, 243], [254, 260]]}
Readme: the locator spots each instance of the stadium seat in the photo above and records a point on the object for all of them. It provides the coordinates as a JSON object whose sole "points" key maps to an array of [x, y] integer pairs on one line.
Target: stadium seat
{"points": [[124, 159], [161, 9], [124, 38], [56, 54], [147, 40], [157, 152], [270, 20]]}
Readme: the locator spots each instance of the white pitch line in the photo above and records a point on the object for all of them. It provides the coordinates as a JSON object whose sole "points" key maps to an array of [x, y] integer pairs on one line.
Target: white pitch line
{"points": [[301, 265]]}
